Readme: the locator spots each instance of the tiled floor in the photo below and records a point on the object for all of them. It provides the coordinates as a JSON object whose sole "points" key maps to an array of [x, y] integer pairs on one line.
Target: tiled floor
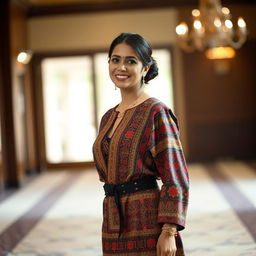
{"points": [[59, 213]]}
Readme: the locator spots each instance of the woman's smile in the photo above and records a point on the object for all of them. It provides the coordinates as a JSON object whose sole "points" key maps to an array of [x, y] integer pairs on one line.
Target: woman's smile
{"points": [[121, 77]]}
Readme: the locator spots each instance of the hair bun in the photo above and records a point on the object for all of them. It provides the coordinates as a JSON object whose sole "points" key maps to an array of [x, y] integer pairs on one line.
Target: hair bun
{"points": [[152, 72]]}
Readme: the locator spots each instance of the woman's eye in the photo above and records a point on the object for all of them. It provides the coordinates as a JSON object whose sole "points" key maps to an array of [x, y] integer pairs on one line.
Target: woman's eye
{"points": [[131, 62], [114, 60]]}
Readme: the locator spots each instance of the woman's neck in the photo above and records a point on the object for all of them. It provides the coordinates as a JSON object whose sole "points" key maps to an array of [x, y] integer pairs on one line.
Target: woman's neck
{"points": [[129, 97], [131, 100]]}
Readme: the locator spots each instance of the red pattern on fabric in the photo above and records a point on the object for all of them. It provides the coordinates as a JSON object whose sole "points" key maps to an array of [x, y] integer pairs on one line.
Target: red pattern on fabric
{"points": [[173, 191], [129, 134], [151, 243], [131, 245]]}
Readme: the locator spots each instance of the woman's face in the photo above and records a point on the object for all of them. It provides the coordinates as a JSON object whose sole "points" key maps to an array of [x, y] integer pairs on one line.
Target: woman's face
{"points": [[125, 67]]}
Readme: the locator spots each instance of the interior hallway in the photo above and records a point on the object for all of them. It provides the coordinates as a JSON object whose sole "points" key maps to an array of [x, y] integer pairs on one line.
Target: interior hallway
{"points": [[59, 213]]}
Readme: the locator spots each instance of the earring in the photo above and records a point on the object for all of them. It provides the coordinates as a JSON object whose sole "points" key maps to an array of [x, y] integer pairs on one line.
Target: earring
{"points": [[143, 80]]}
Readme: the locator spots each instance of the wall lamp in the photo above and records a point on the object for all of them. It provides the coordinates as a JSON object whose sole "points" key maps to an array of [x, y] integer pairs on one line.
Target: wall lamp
{"points": [[24, 56]]}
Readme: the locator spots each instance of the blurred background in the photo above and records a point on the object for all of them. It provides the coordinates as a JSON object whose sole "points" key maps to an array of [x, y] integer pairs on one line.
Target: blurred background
{"points": [[53, 97], [54, 88]]}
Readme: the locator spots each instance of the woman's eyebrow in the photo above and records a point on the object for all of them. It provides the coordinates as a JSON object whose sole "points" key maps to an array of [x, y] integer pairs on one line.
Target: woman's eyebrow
{"points": [[118, 56], [131, 57]]}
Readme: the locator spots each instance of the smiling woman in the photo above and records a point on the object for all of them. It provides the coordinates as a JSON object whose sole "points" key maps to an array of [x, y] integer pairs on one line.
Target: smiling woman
{"points": [[138, 142]]}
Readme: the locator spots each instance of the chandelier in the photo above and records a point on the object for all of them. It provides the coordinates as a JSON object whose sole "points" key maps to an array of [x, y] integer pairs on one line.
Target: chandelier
{"points": [[212, 31]]}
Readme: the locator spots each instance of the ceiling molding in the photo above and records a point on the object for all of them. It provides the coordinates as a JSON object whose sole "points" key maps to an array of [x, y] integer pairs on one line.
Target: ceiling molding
{"points": [[113, 5], [110, 5]]}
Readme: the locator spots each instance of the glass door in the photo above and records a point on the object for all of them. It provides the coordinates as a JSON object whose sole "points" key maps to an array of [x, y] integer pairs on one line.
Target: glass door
{"points": [[69, 113]]}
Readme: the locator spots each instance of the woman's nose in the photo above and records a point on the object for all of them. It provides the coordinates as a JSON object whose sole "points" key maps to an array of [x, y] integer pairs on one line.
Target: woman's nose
{"points": [[122, 66]]}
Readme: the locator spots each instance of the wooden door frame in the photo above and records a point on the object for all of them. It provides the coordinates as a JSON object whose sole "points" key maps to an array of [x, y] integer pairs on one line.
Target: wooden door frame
{"points": [[8, 171]]}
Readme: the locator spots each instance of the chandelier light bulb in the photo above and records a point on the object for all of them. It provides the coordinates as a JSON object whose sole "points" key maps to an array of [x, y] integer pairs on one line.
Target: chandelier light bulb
{"points": [[217, 22], [182, 29], [225, 10], [197, 24], [196, 13], [228, 24], [241, 23]]}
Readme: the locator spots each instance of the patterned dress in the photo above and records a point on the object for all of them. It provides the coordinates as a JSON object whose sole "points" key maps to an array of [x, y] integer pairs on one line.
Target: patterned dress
{"points": [[146, 142]]}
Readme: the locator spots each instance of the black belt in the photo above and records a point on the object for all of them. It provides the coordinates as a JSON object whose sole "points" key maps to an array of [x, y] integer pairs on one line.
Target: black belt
{"points": [[147, 182]]}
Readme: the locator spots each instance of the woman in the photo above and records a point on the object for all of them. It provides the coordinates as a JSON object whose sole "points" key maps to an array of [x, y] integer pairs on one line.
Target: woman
{"points": [[138, 141]]}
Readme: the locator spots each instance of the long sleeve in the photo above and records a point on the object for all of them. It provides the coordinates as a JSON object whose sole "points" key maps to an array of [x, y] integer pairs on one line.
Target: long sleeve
{"points": [[169, 161]]}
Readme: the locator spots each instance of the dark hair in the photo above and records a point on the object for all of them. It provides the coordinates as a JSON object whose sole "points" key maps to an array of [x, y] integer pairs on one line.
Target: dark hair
{"points": [[142, 49]]}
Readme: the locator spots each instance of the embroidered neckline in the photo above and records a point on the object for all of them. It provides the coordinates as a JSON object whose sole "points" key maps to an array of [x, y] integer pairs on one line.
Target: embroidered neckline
{"points": [[123, 113]]}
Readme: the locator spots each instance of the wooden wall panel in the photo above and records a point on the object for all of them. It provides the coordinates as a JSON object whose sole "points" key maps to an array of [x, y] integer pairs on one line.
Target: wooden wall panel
{"points": [[1, 105], [1, 161], [221, 109], [18, 39], [9, 168], [32, 162], [1, 146]]}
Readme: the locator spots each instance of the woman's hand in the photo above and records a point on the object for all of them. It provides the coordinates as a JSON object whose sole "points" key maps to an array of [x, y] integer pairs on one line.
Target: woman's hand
{"points": [[166, 245]]}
